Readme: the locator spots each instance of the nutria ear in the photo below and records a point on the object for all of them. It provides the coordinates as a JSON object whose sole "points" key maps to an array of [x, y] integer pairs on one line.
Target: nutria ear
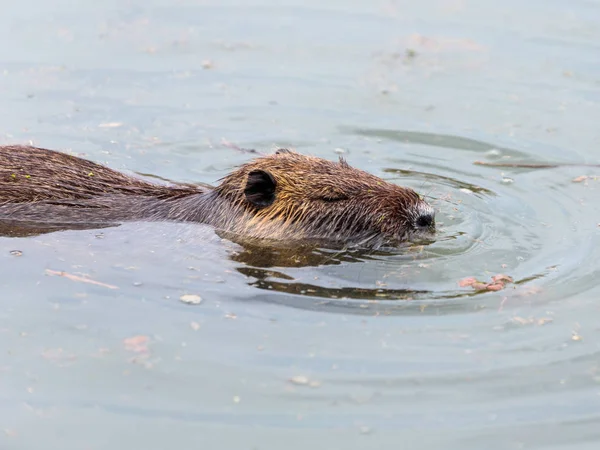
{"points": [[281, 151], [260, 188]]}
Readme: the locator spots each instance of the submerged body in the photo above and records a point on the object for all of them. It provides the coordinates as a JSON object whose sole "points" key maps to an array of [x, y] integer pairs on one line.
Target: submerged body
{"points": [[285, 196]]}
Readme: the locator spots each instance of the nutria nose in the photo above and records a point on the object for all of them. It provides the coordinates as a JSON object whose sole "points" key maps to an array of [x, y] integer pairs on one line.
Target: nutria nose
{"points": [[425, 221], [426, 218]]}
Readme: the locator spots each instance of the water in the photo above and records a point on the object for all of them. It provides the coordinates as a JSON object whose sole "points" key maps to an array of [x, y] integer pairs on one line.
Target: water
{"points": [[325, 349]]}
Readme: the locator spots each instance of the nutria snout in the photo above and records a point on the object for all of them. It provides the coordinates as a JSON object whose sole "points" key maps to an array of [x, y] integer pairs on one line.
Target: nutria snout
{"points": [[283, 196]]}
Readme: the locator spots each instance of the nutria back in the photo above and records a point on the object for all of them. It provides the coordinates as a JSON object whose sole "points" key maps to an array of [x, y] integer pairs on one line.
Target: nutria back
{"points": [[282, 196], [40, 185], [31, 174]]}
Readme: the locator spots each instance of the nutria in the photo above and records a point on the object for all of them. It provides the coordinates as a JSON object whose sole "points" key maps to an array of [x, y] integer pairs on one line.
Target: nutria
{"points": [[284, 196]]}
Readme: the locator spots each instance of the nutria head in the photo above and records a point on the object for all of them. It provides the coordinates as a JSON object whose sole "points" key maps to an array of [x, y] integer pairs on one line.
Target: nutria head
{"points": [[289, 196]]}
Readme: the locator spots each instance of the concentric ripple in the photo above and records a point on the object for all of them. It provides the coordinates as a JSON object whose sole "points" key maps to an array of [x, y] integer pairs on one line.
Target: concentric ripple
{"points": [[526, 223]]}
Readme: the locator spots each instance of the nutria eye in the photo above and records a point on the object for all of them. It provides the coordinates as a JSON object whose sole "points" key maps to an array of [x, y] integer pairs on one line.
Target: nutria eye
{"points": [[334, 197], [260, 188], [281, 151]]}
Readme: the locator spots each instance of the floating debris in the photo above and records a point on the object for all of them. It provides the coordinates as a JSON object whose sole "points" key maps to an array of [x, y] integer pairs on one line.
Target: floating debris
{"points": [[191, 299], [498, 283], [301, 380], [80, 279], [136, 344]]}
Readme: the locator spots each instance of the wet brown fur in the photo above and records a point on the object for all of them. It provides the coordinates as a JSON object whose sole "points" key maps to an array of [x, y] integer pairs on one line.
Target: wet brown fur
{"points": [[312, 198], [31, 174]]}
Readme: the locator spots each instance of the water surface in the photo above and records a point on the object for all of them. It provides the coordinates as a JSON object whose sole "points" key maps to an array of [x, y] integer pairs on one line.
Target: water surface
{"points": [[289, 348]]}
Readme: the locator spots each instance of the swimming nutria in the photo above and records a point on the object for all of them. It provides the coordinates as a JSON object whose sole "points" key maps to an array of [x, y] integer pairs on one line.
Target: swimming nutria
{"points": [[283, 196]]}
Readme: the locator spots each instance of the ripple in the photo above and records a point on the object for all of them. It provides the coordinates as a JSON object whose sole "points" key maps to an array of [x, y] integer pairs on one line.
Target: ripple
{"points": [[491, 220]]}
